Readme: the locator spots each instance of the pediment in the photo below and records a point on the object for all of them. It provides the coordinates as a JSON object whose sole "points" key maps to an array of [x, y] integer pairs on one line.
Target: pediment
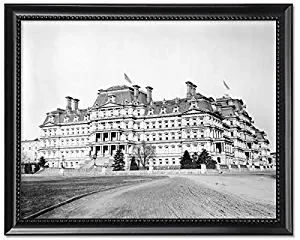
{"points": [[110, 105]]}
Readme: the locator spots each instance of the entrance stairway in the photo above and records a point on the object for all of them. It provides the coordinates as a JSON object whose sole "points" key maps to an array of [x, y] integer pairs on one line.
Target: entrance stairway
{"points": [[100, 161]]}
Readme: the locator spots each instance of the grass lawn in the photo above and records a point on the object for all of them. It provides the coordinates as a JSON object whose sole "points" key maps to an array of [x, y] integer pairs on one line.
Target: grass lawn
{"points": [[38, 193]]}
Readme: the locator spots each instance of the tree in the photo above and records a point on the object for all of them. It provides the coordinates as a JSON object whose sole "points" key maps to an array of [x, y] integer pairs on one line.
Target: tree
{"points": [[133, 164], [194, 160], [42, 162], [143, 153], [119, 163], [205, 158], [186, 161]]}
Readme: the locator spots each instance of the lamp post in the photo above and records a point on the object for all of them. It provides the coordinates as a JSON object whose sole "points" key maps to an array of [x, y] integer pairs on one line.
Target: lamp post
{"points": [[95, 157], [62, 161], [62, 165]]}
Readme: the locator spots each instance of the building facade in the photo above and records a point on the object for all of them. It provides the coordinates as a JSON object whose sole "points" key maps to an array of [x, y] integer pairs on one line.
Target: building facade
{"points": [[122, 117], [30, 151]]}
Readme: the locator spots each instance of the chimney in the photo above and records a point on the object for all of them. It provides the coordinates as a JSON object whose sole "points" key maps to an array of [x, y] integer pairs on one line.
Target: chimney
{"points": [[136, 91], [99, 91], [75, 104], [149, 94], [68, 106], [189, 86], [194, 89]]}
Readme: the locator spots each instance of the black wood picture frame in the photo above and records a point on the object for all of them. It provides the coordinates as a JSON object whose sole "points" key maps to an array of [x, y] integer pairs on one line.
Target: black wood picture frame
{"points": [[281, 13]]}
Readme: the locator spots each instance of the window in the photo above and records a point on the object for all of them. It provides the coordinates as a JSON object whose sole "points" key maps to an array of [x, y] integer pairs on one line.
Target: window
{"points": [[160, 161], [167, 161], [172, 124]]}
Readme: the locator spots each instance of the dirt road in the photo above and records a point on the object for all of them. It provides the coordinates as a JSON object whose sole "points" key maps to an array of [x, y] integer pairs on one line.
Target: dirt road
{"points": [[177, 197]]}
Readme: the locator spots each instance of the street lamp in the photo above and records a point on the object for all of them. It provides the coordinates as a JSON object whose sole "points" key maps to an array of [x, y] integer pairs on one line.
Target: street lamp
{"points": [[95, 157], [62, 161]]}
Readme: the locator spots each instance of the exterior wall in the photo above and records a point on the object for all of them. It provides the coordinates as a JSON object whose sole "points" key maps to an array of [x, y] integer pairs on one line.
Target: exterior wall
{"points": [[29, 149]]}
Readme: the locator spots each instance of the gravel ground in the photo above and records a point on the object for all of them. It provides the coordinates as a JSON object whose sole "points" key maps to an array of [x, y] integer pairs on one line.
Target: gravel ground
{"points": [[180, 197]]}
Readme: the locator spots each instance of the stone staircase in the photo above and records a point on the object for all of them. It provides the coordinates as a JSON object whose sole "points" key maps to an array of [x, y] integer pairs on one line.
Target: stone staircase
{"points": [[100, 161]]}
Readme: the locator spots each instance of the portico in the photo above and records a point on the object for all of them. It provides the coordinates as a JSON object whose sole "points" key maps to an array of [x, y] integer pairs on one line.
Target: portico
{"points": [[109, 149]]}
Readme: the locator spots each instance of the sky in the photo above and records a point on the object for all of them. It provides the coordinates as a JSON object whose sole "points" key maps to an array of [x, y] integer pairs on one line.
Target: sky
{"points": [[64, 58]]}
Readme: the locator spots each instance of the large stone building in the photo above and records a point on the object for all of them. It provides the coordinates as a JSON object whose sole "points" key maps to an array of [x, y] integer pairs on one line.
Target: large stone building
{"points": [[122, 117], [30, 150]]}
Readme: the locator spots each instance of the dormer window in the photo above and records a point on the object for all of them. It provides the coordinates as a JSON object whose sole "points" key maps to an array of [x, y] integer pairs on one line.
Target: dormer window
{"points": [[76, 119], [176, 109], [150, 111], [193, 104], [51, 119], [66, 119], [126, 101], [163, 110], [86, 118]]}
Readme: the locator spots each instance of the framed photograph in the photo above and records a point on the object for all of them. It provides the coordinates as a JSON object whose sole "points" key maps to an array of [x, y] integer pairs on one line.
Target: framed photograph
{"points": [[148, 119]]}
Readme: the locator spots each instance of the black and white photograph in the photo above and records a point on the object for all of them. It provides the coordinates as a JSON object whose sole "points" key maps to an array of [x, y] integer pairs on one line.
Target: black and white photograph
{"points": [[148, 119], [170, 119]]}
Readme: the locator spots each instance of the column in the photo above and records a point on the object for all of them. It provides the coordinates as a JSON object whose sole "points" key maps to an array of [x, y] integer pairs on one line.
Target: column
{"points": [[109, 149]]}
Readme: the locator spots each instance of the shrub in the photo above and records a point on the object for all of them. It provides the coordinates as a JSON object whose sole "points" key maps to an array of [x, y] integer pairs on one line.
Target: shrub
{"points": [[133, 165], [186, 161], [205, 158]]}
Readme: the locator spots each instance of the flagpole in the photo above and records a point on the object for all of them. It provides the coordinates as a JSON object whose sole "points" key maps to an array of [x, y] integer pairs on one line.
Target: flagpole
{"points": [[227, 91]]}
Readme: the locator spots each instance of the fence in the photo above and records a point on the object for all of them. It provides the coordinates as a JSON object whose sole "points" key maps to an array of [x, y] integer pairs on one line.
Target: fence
{"points": [[99, 171]]}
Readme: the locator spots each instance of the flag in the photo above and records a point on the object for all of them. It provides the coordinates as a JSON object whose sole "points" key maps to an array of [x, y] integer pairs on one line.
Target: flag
{"points": [[127, 78], [226, 85]]}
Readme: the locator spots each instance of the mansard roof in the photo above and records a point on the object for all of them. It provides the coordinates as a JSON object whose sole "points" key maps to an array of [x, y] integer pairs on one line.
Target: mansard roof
{"points": [[59, 116], [122, 93], [183, 105]]}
